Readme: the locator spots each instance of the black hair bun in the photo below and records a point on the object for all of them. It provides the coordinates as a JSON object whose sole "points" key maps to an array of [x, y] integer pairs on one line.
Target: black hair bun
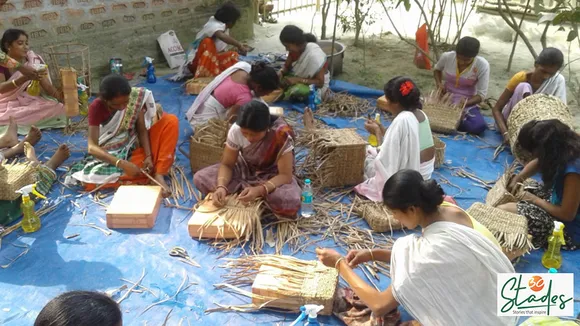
{"points": [[431, 192]]}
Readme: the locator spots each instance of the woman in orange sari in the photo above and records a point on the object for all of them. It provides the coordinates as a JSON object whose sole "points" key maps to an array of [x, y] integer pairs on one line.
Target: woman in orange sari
{"points": [[207, 56]]}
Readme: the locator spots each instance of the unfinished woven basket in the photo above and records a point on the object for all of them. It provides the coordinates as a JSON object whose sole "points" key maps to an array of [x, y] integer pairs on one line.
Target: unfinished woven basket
{"points": [[377, 215], [510, 230], [534, 107], [282, 282], [274, 96], [336, 156], [444, 116], [194, 86], [207, 144], [439, 151], [13, 177], [499, 195]]}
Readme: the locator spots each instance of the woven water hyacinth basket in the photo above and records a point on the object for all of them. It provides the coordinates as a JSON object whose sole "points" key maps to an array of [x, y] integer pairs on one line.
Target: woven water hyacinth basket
{"points": [[336, 157], [378, 217], [274, 96], [444, 116], [439, 151], [13, 177], [510, 230], [207, 144], [282, 282], [499, 195], [194, 86], [534, 107]]}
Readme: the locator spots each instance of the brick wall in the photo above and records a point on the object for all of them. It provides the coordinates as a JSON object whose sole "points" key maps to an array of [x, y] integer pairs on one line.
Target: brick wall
{"points": [[123, 28]]}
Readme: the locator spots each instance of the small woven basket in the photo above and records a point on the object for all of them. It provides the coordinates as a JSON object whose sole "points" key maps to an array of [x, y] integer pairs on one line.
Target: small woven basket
{"points": [[444, 116], [337, 154], [378, 217], [510, 230], [439, 151], [273, 97], [194, 86], [499, 195], [15, 176], [207, 144], [534, 107]]}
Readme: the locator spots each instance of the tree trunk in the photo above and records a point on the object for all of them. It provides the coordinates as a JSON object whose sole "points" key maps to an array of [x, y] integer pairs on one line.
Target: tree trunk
{"points": [[509, 67]]}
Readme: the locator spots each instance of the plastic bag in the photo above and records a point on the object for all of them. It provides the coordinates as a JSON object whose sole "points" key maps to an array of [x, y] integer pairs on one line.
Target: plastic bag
{"points": [[172, 49], [34, 88], [421, 37], [547, 321]]}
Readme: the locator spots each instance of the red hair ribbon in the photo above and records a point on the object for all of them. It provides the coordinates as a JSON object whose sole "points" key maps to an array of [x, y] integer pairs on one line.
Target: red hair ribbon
{"points": [[406, 88]]}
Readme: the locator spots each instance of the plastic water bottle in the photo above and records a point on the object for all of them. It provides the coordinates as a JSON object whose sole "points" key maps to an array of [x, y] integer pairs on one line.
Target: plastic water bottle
{"points": [[312, 98], [307, 210]]}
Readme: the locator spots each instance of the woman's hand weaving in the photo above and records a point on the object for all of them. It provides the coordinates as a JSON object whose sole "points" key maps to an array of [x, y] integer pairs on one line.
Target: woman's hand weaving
{"points": [[250, 194], [328, 257], [219, 197], [356, 257]]}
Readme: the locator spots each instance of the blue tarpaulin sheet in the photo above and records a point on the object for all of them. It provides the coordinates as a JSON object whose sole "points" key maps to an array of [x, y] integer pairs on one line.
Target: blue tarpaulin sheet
{"points": [[95, 261]]}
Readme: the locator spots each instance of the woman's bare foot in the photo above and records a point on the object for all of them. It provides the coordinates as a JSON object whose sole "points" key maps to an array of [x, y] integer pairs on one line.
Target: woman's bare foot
{"points": [[161, 179], [30, 153], [61, 155], [32, 138], [10, 137], [308, 118]]}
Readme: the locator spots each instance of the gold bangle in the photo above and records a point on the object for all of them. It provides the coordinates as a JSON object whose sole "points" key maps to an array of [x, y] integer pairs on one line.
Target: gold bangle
{"points": [[372, 256], [273, 185], [265, 189], [117, 163], [338, 262], [220, 186], [14, 83]]}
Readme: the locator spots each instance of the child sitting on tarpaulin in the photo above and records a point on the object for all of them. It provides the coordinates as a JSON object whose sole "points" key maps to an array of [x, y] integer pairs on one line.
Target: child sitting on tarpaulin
{"points": [[45, 177]]}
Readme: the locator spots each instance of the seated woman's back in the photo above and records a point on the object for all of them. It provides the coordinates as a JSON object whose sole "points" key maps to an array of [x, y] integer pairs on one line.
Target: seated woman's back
{"points": [[426, 142]]}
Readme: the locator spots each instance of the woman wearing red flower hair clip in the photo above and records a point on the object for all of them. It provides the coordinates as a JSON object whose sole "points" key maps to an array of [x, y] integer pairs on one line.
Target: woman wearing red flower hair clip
{"points": [[407, 144]]}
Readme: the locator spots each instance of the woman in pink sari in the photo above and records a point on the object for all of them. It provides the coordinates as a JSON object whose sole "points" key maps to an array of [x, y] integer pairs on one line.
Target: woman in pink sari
{"points": [[258, 161], [43, 111]]}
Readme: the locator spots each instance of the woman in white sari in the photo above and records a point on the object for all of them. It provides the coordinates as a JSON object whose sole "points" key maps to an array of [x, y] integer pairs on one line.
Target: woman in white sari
{"points": [[544, 79], [444, 276], [406, 144], [306, 64], [238, 85]]}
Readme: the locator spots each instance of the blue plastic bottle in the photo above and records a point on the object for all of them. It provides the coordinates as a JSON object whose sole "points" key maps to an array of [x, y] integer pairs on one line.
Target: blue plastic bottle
{"points": [[307, 209], [151, 78]]}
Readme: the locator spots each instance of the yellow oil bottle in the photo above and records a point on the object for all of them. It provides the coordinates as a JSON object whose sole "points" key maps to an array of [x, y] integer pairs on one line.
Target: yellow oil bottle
{"points": [[372, 138], [30, 220], [552, 258]]}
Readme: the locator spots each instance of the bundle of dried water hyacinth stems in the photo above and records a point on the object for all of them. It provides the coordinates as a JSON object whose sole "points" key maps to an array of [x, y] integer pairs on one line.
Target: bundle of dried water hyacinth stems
{"points": [[343, 105]]}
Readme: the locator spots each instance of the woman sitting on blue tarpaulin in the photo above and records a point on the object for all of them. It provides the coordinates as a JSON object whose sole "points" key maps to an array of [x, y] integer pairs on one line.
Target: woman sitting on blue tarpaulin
{"points": [[306, 65], [556, 149]]}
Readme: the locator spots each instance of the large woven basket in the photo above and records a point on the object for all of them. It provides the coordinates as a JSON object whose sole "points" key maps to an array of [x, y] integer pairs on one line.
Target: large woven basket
{"points": [[207, 144], [510, 230], [439, 151], [15, 176], [194, 86], [534, 107], [377, 215], [338, 155], [444, 116]]}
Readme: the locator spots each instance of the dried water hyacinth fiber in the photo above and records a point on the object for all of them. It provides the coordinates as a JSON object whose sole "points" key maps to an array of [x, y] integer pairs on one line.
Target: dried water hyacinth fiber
{"points": [[439, 151], [281, 282], [444, 115], [343, 105], [242, 220], [194, 86], [335, 156], [499, 195], [207, 144], [534, 107], [377, 215], [14, 176], [510, 230]]}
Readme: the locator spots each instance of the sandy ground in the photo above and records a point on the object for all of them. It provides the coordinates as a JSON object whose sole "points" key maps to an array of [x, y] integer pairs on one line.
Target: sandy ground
{"points": [[384, 55]]}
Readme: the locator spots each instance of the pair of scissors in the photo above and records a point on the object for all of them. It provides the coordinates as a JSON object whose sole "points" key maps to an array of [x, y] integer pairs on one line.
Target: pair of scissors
{"points": [[183, 255]]}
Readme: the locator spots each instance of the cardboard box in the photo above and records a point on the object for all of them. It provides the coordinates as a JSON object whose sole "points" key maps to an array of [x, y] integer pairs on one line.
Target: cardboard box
{"points": [[134, 207]]}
